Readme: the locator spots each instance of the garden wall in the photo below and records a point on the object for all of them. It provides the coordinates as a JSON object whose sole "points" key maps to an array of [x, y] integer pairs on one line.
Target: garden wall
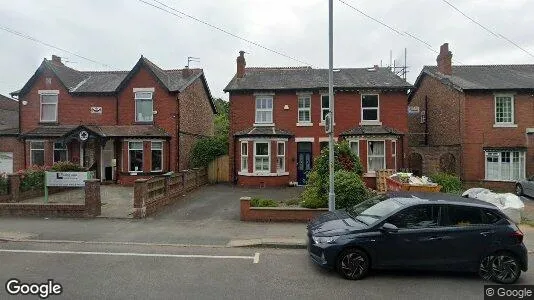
{"points": [[277, 214]]}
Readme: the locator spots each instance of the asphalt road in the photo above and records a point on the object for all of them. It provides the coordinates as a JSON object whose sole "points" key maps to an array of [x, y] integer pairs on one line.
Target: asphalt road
{"points": [[89, 271]]}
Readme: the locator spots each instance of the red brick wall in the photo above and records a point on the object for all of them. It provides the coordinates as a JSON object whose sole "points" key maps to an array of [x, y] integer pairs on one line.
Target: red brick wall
{"points": [[276, 214], [12, 144], [393, 107]]}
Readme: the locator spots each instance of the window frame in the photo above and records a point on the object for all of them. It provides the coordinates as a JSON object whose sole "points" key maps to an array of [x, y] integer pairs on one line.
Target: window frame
{"points": [[270, 110], [324, 108], [32, 163], [371, 156], [66, 149], [56, 104], [152, 156], [304, 109], [130, 156], [268, 156], [377, 108], [358, 148], [244, 158], [522, 165], [512, 108], [447, 214], [440, 216], [280, 157], [136, 99], [394, 153]]}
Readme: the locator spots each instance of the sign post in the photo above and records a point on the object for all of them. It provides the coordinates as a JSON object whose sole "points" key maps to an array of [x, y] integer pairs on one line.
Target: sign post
{"points": [[64, 179]]}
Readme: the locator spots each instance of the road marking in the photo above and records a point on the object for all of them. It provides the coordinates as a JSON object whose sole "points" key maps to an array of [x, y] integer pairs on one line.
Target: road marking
{"points": [[254, 258], [257, 257]]}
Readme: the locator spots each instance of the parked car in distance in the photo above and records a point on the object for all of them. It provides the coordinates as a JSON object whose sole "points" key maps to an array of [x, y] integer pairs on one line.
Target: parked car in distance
{"points": [[525, 187], [425, 231]]}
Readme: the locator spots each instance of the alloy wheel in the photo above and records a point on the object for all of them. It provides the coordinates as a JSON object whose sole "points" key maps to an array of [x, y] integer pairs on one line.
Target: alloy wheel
{"points": [[501, 268], [353, 264]]}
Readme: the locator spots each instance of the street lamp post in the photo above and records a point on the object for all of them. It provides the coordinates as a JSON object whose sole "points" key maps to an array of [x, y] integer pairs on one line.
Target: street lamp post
{"points": [[331, 193]]}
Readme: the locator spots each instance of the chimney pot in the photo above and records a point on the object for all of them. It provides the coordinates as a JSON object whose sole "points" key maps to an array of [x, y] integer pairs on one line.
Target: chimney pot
{"points": [[376, 67], [444, 59], [241, 63], [56, 59], [186, 72]]}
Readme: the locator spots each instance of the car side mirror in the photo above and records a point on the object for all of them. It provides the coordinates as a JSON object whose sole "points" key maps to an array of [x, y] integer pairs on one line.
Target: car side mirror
{"points": [[389, 228]]}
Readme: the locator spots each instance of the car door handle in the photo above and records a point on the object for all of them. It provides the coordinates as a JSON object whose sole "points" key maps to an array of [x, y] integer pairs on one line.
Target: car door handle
{"points": [[432, 238], [487, 233]]}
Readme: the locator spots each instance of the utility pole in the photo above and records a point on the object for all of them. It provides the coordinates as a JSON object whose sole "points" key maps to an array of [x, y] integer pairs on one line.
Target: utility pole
{"points": [[331, 193]]}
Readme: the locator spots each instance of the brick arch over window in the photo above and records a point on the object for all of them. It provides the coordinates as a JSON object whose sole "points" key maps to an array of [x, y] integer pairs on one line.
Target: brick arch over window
{"points": [[415, 163], [447, 163]]}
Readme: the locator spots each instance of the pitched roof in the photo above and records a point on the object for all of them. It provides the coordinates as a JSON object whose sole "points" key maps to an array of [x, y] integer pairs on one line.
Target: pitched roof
{"points": [[9, 115], [102, 131], [371, 130], [484, 77], [263, 131], [309, 78]]}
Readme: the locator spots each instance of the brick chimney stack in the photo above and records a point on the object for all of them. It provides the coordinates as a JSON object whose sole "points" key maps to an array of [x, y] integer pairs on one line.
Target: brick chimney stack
{"points": [[186, 72], [444, 60], [241, 63], [56, 59]]}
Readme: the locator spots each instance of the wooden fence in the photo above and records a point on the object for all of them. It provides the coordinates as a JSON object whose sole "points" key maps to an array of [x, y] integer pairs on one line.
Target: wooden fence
{"points": [[154, 193], [218, 170]]}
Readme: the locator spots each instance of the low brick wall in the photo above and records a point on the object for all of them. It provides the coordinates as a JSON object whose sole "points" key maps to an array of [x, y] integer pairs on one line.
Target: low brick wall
{"points": [[277, 214], [91, 207], [498, 186], [150, 195]]}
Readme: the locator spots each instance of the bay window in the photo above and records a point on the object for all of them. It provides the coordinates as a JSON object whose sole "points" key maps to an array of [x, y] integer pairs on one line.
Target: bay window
{"points": [[264, 109], [48, 107], [244, 157], [304, 109], [370, 108], [505, 165], [37, 150], [60, 152], [281, 157], [157, 156], [376, 156], [262, 161], [135, 156], [143, 107]]}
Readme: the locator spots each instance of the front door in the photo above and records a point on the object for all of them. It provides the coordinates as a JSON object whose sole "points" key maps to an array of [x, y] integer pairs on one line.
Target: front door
{"points": [[108, 159], [304, 161]]}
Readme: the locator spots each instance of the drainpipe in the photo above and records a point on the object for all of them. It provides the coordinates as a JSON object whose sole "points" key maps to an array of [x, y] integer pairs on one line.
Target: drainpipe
{"points": [[177, 128]]}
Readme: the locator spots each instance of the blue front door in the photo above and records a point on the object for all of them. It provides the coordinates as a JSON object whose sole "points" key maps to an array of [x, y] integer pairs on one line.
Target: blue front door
{"points": [[304, 161]]}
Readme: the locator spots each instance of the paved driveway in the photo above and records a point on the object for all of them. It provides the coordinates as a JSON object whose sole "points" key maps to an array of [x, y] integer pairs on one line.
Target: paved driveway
{"points": [[220, 202]]}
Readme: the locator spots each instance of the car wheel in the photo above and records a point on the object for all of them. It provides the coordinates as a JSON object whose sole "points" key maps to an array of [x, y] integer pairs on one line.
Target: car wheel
{"points": [[519, 190], [353, 264], [501, 267]]}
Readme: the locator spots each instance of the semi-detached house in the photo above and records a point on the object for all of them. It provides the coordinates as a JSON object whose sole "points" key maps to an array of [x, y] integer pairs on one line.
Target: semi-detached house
{"points": [[123, 125], [277, 120]]}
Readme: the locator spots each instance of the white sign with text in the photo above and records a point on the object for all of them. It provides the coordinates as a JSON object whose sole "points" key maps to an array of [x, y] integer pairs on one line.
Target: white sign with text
{"points": [[66, 178]]}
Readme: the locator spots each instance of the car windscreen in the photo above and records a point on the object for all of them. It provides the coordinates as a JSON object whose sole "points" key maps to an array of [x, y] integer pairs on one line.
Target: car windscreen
{"points": [[372, 210]]}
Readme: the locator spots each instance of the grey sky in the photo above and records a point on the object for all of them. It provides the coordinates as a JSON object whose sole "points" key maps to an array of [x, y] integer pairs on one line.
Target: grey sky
{"points": [[117, 32]]}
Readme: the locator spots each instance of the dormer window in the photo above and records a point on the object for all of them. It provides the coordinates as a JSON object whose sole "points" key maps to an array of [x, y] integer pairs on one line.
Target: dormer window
{"points": [[49, 100], [144, 106]]}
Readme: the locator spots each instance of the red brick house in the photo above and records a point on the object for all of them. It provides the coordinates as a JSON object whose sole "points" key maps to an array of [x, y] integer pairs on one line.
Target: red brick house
{"points": [[121, 124], [473, 120], [277, 127], [10, 158]]}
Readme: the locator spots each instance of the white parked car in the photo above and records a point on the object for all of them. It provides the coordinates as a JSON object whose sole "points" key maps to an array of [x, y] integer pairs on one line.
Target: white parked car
{"points": [[525, 187]]}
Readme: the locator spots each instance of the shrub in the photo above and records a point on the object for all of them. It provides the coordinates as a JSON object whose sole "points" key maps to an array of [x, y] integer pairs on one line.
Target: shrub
{"points": [[349, 188], [207, 149], [3, 184], [259, 202], [32, 178], [67, 166], [314, 195], [450, 183]]}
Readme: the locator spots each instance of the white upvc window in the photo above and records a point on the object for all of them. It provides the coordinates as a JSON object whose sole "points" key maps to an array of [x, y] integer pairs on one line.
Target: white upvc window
{"points": [[370, 108], [325, 107], [262, 157], [135, 156], [49, 105], [244, 156], [264, 109], [281, 157], [60, 152], [505, 165], [376, 156], [144, 109], [504, 109], [394, 154], [37, 150], [355, 147], [304, 109], [157, 156]]}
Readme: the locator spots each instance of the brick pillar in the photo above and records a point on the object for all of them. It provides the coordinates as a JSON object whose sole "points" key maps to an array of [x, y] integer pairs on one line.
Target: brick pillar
{"points": [[245, 207], [140, 194], [93, 202], [14, 187]]}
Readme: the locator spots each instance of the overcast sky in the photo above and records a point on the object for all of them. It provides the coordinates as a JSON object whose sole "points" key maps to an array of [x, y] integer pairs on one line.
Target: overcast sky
{"points": [[117, 32]]}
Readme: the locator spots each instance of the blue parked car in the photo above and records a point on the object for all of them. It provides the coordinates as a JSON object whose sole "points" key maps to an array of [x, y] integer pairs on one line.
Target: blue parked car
{"points": [[427, 231]]}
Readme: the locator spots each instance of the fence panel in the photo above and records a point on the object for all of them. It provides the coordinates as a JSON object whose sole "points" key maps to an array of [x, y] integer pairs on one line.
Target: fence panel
{"points": [[218, 169]]}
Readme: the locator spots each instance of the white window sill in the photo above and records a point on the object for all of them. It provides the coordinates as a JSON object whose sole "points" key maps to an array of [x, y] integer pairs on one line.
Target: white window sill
{"points": [[304, 124], [378, 123], [134, 173], [323, 124], [502, 180], [504, 125], [262, 174], [263, 124], [369, 174]]}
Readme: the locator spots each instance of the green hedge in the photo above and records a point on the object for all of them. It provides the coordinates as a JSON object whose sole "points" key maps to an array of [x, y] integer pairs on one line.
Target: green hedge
{"points": [[259, 202], [208, 149], [449, 183], [32, 178], [3, 185]]}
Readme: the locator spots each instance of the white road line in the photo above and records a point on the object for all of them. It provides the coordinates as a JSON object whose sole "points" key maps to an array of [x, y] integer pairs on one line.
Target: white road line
{"points": [[257, 257], [254, 258]]}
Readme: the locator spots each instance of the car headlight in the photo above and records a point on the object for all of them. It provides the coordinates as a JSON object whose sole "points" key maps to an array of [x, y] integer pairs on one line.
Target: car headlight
{"points": [[325, 239]]}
